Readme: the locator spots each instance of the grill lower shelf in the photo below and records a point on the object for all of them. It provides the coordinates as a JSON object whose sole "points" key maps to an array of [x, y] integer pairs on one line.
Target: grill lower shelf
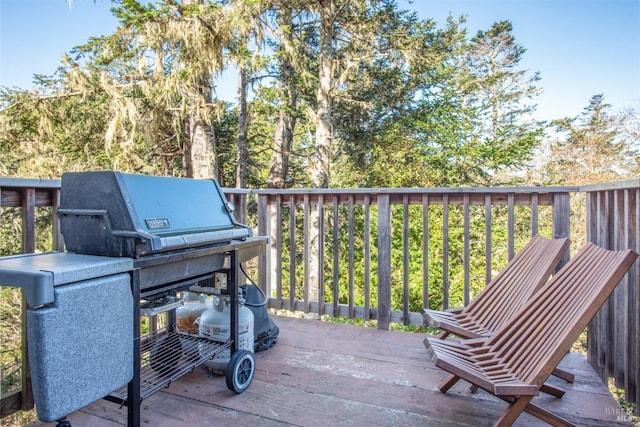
{"points": [[166, 356]]}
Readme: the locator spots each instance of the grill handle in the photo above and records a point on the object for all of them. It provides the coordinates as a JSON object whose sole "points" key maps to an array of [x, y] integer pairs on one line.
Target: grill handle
{"points": [[37, 285]]}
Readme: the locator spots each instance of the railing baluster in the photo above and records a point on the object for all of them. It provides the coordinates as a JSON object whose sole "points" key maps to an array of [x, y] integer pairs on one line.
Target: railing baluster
{"points": [[487, 238], [28, 246], [445, 251], [630, 361], [292, 253], [306, 251], [534, 214], [561, 219], [367, 257], [601, 317], [264, 223], [634, 393], [321, 255], [617, 299], [29, 220], [278, 255], [336, 256], [351, 255], [425, 251], [405, 259], [510, 225], [384, 261], [466, 255], [56, 239], [591, 232]]}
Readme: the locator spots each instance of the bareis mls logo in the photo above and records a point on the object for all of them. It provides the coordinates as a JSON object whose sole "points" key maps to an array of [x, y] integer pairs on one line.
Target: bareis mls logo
{"points": [[622, 415]]}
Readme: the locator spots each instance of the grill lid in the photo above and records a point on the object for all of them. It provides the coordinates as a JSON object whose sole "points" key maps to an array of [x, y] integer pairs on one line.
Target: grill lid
{"points": [[114, 214]]}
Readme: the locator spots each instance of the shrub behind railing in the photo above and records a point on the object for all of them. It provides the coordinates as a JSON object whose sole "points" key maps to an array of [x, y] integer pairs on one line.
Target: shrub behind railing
{"points": [[373, 263]]}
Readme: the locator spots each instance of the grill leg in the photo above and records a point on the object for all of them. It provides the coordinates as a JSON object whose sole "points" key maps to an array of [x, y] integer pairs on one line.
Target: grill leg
{"points": [[133, 389], [232, 286], [63, 422]]}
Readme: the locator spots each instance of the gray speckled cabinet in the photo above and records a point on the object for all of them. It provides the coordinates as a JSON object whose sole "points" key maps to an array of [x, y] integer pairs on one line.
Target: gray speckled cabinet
{"points": [[79, 326]]}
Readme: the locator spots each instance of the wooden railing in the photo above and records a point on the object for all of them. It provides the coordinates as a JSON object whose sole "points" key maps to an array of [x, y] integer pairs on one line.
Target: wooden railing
{"points": [[385, 254], [613, 221], [373, 242]]}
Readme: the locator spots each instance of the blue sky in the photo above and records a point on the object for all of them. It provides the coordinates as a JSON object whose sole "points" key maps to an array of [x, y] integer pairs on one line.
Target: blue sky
{"points": [[580, 47]]}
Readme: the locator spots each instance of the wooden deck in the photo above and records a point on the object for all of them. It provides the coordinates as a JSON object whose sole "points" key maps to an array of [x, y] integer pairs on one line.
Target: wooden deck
{"points": [[326, 374]]}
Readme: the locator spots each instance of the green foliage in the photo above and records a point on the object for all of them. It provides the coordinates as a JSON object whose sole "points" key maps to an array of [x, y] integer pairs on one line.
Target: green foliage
{"points": [[591, 148], [10, 351]]}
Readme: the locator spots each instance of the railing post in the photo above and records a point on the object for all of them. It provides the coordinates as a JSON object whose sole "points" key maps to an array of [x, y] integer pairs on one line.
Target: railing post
{"points": [[384, 261], [561, 220], [28, 246], [57, 239], [320, 254], [241, 208], [29, 221], [425, 252], [264, 261]]}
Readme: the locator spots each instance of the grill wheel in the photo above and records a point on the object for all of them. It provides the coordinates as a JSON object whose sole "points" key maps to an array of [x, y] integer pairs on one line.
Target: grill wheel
{"points": [[240, 370]]}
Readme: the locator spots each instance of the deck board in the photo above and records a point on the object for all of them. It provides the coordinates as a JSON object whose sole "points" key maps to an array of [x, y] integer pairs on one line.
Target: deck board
{"points": [[327, 374]]}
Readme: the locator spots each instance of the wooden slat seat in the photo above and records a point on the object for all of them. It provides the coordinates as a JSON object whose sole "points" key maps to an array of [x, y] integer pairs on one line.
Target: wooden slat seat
{"points": [[515, 361]]}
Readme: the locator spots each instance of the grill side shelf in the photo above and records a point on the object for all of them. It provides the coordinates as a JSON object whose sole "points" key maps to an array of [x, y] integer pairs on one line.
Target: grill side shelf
{"points": [[165, 357]]}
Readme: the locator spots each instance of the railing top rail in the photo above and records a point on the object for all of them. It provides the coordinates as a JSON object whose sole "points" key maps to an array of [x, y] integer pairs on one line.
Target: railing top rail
{"points": [[407, 190], [617, 185], [29, 183], [8, 182]]}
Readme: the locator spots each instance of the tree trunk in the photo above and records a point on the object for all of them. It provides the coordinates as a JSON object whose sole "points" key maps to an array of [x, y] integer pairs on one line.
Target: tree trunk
{"points": [[243, 125], [321, 156], [285, 127], [200, 154], [200, 157], [320, 160], [242, 157], [282, 142]]}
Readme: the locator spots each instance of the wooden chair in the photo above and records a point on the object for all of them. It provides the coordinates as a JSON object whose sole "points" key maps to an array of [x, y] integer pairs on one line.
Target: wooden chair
{"points": [[505, 295], [514, 362]]}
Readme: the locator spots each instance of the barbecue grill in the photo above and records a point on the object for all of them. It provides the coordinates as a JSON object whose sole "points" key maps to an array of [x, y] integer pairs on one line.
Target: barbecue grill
{"points": [[134, 243]]}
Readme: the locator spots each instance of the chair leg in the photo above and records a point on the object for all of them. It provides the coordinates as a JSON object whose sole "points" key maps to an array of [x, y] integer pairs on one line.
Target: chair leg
{"points": [[443, 335], [565, 375], [547, 416], [448, 383], [516, 406], [551, 390]]}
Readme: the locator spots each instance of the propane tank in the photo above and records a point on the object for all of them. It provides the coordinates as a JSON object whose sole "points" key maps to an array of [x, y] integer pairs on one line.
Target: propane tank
{"points": [[187, 319], [215, 324], [188, 314]]}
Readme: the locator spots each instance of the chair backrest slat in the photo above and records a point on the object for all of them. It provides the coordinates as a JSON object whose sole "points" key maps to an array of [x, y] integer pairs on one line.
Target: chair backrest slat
{"points": [[513, 286]]}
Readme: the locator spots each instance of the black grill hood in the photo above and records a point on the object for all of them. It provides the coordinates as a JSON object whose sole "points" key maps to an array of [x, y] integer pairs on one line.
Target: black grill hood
{"points": [[109, 213]]}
